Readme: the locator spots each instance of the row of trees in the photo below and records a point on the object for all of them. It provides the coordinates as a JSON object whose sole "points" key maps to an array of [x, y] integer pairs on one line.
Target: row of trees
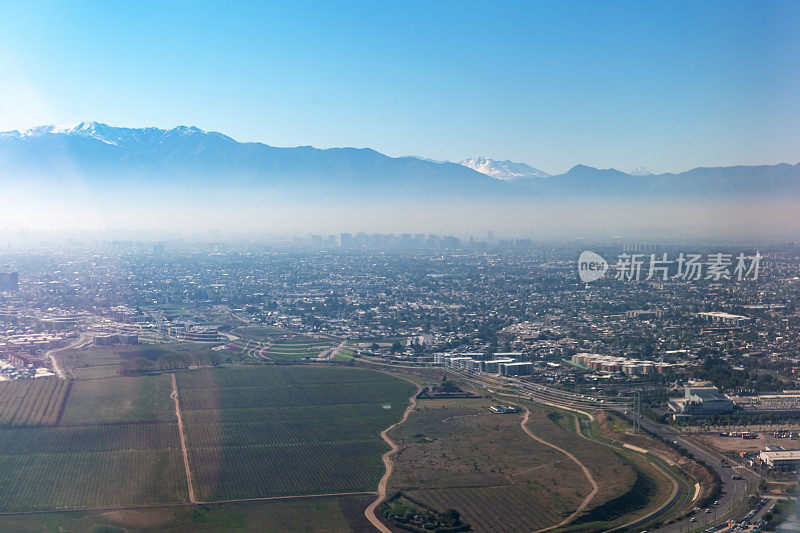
{"points": [[722, 374], [171, 361]]}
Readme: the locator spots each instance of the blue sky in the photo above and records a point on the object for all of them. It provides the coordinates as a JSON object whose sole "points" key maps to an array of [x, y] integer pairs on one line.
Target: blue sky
{"points": [[665, 85]]}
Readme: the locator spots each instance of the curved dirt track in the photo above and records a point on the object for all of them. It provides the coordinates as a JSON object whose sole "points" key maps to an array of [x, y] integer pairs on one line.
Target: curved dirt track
{"points": [[387, 460], [574, 459]]}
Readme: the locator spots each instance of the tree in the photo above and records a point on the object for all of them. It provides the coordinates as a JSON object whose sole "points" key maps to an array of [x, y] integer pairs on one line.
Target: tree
{"points": [[452, 516]]}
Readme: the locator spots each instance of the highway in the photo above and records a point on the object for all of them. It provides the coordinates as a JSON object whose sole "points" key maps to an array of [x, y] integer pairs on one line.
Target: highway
{"points": [[733, 490]]}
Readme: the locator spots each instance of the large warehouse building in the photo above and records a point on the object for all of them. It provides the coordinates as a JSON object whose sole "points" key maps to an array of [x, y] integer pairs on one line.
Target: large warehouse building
{"points": [[783, 459]]}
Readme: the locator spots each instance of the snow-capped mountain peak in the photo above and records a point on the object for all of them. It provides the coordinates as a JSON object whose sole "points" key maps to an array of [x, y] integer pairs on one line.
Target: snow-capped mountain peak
{"points": [[640, 171], [503, 170], [109, 134]]}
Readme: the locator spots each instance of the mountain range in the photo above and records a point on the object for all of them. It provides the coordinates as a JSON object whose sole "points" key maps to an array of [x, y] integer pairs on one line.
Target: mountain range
{"points": [[107, 158], [504, 170]]}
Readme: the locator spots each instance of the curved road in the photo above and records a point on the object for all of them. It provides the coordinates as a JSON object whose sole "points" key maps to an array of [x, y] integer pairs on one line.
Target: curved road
{"points": [[51, 354], [733, 490]]}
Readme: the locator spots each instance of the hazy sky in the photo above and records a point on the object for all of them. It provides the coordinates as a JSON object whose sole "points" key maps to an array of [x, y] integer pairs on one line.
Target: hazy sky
{"points": [[665, 85]]}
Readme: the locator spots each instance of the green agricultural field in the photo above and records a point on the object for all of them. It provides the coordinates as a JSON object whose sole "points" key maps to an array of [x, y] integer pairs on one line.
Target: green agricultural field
{"points": [[331, 514], [296, 350], [119, 400], [106, 361], [32, 402], [116, 444], [274, 431], [261, 332], [345, 355], [251, 432]]}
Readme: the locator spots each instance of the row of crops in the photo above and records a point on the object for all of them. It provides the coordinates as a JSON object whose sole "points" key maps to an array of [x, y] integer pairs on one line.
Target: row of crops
{"points": [[259, 471], [501, 509], [251, 431], [111, 452], [317, 394], [89, 438], [90, 479], [269, 376], [274, 431], [32, 402]]}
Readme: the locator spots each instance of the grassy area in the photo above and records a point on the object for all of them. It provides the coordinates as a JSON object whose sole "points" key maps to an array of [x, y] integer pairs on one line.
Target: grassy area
{"points": [[612, 472], [456, 454], [32, 403], [116, 444], [261, 332], [652, 485], [274, 430], [329, 514], [296, 350], [105, 361], [119, 400], [345, 355]]}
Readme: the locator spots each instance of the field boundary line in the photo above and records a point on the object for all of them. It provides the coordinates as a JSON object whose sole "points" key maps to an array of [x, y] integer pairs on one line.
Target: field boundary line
{"points": [[63, 406], [289, 497], [534, 398], [185, 452], [186, 504], [369, 512]]}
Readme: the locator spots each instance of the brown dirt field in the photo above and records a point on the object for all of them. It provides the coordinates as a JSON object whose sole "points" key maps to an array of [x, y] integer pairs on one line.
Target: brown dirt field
{"points": [[352, 509], [612, 474], [457, 454], [731, 444], [137, 518]]}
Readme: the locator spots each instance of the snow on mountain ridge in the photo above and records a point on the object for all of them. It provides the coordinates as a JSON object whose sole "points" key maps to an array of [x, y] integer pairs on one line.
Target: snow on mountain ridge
{"points": [[504, 170], [640, 171], [109, 134]]}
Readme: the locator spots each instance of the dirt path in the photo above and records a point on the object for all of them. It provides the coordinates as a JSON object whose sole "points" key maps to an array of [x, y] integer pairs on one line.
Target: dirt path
{"points": [[387, 460], [51, 354], [574, 459], [174, 396]]}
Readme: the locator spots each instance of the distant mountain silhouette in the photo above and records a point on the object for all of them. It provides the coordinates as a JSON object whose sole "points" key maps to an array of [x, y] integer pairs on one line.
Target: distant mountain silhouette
{"points": [[102, 156], [708, 183], [99, 157]]}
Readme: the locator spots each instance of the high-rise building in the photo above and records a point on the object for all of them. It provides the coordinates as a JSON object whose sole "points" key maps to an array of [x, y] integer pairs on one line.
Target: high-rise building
{"points": [[9, 281], [345, 240]]}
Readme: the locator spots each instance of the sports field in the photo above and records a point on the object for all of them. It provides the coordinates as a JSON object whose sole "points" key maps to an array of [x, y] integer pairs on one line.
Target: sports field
{"points": [[296, 350]]}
